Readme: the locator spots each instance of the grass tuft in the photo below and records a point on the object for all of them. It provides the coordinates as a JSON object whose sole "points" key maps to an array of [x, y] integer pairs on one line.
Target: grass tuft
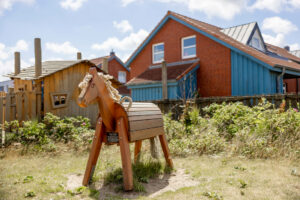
{"points": [[142, 172]]}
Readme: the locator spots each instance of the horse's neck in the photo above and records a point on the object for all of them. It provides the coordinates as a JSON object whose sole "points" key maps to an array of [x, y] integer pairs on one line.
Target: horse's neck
{"points": [[106, 107]]}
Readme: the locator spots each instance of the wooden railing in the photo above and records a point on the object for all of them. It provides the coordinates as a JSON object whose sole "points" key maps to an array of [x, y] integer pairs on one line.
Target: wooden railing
{"points": [[20, 106], [175, 106]]}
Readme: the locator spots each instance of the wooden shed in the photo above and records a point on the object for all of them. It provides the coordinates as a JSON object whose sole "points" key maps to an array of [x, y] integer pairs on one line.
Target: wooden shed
{"points": [[57, 83]]}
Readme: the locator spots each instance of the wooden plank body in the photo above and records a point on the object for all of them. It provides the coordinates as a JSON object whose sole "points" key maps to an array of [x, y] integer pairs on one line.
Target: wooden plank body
{"points": [[145, 121]]}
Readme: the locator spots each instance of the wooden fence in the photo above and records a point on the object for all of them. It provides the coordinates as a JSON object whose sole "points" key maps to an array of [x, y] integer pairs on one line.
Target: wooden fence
{"points": [[20, 106], [176, 106]]}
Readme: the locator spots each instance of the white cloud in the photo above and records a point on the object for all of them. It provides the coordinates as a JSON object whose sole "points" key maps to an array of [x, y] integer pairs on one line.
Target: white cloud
{"points": [[126, 2], [128, 43], [21, 45], [278, 40], [64, 48], [3, 52], [225, 9], [278, 25], [294, 46], [72, 4], [124, 26], [7, 4], [275, 5]]}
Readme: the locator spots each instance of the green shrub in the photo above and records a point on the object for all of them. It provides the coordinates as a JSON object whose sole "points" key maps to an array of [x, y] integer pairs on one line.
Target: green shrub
{"points": [[258, 132]]}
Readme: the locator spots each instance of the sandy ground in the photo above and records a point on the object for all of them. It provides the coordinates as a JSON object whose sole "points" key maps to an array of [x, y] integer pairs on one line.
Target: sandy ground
{"points": [[155, 187]]}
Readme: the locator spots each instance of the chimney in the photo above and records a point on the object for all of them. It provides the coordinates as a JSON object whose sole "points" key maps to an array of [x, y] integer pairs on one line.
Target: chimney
{"points": [[38, 56], [287, 48], [105, 64], [78, 55], [164, 80], [17, 63], [112, 53]]}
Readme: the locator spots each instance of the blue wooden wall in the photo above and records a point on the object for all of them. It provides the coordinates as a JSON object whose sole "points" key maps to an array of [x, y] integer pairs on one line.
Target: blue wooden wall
{"points": [[251, 78], [149, 92]]}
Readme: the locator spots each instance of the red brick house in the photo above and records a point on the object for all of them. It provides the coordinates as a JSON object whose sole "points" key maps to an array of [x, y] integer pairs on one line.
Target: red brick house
{"points": [[231, 61], [116, 68]]}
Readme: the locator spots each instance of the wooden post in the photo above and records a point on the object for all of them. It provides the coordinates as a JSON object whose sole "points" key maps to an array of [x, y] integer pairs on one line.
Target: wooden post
{"points": [[105, 65], [154, 148], [32, 101], [165, 148], [19, 106], [17, 63], [3, 121], [137, 150], [79, 56], [125, 155], [8, 107], [164, 80], [94, 153], [38, 56]]}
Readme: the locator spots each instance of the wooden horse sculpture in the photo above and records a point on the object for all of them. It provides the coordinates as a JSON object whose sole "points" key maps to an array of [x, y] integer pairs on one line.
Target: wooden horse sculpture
{"points": [[119, 124]]}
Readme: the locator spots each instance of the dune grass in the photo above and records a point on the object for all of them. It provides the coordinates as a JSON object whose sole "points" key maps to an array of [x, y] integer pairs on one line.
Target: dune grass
{"points": [[44, 176]]}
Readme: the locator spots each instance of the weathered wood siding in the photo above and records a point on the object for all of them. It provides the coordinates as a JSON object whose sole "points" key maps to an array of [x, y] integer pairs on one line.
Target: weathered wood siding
{"points": [[25, 84], [66, 81]]}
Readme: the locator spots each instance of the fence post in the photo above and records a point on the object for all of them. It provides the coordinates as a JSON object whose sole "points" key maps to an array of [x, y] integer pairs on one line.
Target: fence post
{"points": [[2, 116], [8, 107], [19, 106]]}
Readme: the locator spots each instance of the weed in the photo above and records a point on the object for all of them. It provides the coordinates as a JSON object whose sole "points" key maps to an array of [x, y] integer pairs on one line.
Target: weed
{"points": [[243, 184], [28, 179], [29, 194], [213, 195]]}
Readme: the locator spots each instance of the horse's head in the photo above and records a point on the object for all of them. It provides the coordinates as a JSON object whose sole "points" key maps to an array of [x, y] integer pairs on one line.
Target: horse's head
{"points": [[88, 88]]}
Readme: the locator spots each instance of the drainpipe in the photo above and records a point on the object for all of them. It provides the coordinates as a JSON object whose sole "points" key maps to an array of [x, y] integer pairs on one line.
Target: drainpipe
{"points": [[278, 79]]}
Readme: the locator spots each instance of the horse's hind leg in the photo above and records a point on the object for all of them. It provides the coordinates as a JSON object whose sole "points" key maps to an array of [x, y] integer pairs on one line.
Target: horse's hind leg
{"points": [[125, 155], [154, 148], [137, 150], [165, 148]]}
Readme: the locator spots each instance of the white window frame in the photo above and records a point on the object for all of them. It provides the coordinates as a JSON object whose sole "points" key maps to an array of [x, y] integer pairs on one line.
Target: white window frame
{"points": [[124, 73], [158, 61], [182, 47]]}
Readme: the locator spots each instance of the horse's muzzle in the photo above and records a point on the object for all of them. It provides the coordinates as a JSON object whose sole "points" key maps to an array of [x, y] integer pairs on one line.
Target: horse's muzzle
{"points": [[81, 102]]}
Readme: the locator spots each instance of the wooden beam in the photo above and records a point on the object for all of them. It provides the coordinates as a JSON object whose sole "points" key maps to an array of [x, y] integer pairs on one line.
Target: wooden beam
{"points": [[164, 80]]}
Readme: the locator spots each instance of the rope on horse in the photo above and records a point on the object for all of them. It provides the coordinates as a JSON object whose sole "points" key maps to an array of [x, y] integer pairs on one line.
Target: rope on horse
{"points": [[113, 92]]}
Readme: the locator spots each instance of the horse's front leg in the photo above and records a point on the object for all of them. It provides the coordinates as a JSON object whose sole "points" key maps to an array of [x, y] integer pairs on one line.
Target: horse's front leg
{"points": [[94, 153], [125, 154]]}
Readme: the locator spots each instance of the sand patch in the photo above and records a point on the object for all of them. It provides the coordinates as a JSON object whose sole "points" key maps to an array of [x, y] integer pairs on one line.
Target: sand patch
{"points": [[155, 187]]}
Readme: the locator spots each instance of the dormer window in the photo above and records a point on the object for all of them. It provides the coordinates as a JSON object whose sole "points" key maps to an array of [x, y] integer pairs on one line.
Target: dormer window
{"points": [[257, 42], [188, 46], [122, 76], [158, 53]]}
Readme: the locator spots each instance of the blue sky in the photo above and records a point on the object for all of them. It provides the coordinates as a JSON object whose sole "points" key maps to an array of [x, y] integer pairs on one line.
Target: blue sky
{"points": [[94, 27]]}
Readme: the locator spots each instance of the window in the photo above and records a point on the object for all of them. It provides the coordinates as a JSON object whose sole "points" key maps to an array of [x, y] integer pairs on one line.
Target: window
{"points": [[122, 76], [59, 100], [255, 43], [189, 47], [158, 52]]}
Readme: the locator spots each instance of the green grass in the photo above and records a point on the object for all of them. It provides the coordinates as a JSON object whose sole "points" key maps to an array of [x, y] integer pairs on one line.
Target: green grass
{"points": [[44, 176]]}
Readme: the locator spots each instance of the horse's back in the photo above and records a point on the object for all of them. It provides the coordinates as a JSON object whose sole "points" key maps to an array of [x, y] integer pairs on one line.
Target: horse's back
{"points": [[145, 121]]}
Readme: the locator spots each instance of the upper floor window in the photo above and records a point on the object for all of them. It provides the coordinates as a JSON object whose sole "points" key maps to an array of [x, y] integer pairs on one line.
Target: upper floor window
{"points": [[158, 51], [189, 47], [122, 76]]}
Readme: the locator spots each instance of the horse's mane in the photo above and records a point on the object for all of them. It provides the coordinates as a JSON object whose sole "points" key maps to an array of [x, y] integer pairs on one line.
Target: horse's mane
{"points": [[114, 94]]}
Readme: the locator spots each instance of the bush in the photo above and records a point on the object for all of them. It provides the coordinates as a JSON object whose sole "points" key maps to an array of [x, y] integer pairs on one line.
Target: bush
{"points": [[52, 129], [258, 132]]}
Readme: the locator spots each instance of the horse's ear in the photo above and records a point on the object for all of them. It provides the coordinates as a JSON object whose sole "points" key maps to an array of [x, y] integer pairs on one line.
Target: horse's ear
{"points": [[93, 70]]}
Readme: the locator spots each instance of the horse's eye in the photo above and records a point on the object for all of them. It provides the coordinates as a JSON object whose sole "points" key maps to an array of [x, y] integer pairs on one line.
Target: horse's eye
{"points": [[93, 85]]}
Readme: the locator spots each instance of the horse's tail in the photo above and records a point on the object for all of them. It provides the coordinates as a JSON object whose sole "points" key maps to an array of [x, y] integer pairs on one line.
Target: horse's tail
{"points": [[129, 99]]}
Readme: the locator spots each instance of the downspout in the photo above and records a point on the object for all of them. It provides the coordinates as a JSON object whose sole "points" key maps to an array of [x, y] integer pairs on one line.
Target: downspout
{"points": [[278, 79]]}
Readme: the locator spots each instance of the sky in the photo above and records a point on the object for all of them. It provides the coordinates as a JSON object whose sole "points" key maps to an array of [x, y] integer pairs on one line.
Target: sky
{"points": [[95, 27]]}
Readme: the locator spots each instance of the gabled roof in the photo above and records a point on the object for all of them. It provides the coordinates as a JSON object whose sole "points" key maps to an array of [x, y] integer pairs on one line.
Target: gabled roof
{"points": [[48, 68], [283, 52], [98, 61], [215, 34], [175, 71], [240, 33]]}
